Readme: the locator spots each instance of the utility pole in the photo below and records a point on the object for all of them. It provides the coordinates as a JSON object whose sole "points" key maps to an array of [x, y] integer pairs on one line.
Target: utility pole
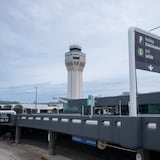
{"points": [[154, 28], [36, 97]]}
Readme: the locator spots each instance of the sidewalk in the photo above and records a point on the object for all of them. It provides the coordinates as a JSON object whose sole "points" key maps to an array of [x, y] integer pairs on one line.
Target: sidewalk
{"points": [[40, 152]]}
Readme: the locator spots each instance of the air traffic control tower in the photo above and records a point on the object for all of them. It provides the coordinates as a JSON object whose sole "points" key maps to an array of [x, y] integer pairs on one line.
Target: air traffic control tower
{"points": [[75, 61]]}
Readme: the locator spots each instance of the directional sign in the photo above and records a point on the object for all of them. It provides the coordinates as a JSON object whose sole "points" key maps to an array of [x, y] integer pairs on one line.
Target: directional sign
{"points": [[147, 51], [144, 53], [4, 118]]}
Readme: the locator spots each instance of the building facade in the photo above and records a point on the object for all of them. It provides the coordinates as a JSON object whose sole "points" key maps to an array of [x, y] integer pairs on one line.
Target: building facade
{"points": [[148, 103]]}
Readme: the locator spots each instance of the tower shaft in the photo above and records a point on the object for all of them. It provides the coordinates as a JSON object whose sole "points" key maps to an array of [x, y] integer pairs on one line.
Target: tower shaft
{"points": [[75, 62]]}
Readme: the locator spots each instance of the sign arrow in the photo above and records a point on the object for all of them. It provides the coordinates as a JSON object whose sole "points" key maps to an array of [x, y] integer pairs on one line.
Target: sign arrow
{"points": [[150, 67]]}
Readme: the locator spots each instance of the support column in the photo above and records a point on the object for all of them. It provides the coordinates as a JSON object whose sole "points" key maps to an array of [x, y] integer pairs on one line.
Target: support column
{"points": [[51, 143], [18, 135]]}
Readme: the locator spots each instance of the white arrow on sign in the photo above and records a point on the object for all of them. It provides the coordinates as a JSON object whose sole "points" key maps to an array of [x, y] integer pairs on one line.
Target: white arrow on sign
{"points": [[150, 67]]}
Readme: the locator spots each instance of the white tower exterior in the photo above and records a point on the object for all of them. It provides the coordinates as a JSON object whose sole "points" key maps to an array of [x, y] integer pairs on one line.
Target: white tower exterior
{"points": [[75, 61]]}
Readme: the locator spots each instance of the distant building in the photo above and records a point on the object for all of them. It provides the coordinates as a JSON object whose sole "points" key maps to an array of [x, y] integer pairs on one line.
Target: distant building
{"points": [[28, 108]]}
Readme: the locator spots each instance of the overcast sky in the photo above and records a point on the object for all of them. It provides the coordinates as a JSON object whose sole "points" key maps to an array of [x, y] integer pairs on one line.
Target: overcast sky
{"points": [[35, 34]]}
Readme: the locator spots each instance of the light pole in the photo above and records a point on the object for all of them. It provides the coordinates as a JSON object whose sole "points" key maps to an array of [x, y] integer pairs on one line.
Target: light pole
{"points": [[36, 97], [154, 28]]}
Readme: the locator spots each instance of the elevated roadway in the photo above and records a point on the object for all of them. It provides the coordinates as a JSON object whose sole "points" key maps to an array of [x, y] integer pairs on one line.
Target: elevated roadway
{"points": [[130, 133]]}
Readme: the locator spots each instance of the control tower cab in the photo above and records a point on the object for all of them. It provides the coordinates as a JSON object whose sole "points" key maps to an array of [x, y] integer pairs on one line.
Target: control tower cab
{"points": [[75, 61]]}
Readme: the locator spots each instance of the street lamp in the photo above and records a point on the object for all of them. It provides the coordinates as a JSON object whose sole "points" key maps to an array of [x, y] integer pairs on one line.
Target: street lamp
{"points": [[154, 28], [36, 97]]}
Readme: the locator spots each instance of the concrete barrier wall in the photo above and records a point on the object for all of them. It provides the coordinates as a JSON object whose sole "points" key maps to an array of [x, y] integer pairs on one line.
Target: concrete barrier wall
{"points": [[123, 131]]}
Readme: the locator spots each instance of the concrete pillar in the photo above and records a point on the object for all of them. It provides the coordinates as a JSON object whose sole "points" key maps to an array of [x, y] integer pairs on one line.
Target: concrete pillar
{"points": [[18, 135], [51, 143]]}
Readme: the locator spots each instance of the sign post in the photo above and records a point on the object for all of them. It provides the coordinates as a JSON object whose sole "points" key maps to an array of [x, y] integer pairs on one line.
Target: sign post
{"points": [[144, 54], [132, 74]]}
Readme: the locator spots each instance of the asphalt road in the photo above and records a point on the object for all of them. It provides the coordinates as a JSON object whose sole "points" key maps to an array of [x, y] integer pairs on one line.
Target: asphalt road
{"points": [[31, 149], [9, 152]]}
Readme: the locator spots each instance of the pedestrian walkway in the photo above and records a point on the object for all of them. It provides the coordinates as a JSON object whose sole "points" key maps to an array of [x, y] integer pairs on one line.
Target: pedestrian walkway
{"points": [[40, 152]]}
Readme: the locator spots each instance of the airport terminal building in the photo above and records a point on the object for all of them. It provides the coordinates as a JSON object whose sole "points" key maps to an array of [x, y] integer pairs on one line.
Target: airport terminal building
{"points": [[148, 103]]}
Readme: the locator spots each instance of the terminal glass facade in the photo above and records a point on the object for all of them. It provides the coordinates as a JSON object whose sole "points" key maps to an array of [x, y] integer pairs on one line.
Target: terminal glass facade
{"points": [[149, 109], [148, 103]]}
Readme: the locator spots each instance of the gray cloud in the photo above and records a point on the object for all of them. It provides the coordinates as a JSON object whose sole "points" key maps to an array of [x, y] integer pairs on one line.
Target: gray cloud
{"points": [[36, 34]]}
